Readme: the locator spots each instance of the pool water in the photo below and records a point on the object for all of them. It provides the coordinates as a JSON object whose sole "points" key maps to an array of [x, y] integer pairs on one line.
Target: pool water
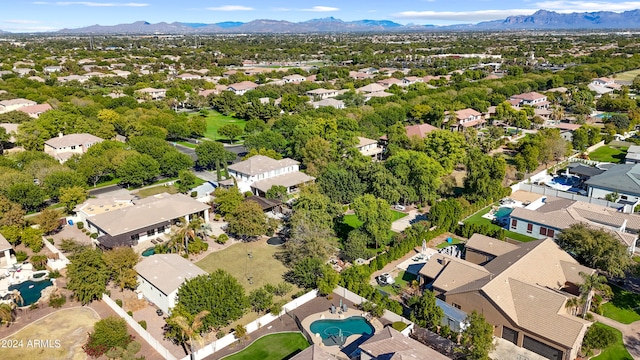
{"points": [[30, 290], [335, 332], [148, 252], [503, 212]]}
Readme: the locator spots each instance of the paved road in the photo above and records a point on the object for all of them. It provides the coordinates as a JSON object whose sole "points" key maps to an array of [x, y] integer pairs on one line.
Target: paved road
{"points": [[105, 190]]}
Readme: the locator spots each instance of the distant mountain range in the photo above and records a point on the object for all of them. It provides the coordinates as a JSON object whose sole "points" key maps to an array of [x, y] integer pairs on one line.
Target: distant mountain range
{"points": [[540, 20]]}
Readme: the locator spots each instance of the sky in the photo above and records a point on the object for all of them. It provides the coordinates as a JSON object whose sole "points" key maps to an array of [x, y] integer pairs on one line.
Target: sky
{"points": [[51, 15]]}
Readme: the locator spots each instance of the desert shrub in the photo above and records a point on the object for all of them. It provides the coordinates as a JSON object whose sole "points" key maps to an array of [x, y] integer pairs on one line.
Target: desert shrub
{"points": [[21, 256], [80, 225], [107, 333], [220, 334], [598, 337], [54, 274], [57, 300], [143, 324], [119, 302], [94, 235], [130, 313], [222, 239]]}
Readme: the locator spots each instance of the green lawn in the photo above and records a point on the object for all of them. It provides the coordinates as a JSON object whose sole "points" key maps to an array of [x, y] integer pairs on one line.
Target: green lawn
{"points": [[454, 241], [351, 222], [624, 307], [262, 267], [617, 351], [215, 120], [403, 280], [628, 75], [479, 220], [273, 347], [609, 154]]}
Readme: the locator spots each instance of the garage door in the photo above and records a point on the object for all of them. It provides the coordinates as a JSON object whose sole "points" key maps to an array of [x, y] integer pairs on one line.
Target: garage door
{"points": [[510, 335], [541, 349]]}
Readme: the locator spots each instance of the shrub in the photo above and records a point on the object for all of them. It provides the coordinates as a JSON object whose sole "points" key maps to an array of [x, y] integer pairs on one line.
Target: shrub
{"points": [[54, 274], [39, 262], [220, 334], [399, 325], [51, 241], [130, 313], [94, 235], [248, 194], [222, 239], [57, 300], [21, 256], [194, 194], [80, 225], [119, 302], [598, 337], [298, 294], [143, 324], [33, 306], [107, 333]]}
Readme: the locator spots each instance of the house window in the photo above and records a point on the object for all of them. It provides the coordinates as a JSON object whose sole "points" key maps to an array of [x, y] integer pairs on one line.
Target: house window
{"points": [[514, 223], [529, 228], [624, 197], [161, 229], [543, 231], [135, 236], [550, 233], [73, 147], [151, 232], [456, 306]]}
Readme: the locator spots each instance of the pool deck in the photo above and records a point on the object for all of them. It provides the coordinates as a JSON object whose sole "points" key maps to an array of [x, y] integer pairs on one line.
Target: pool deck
{"points": [[327, 315]]}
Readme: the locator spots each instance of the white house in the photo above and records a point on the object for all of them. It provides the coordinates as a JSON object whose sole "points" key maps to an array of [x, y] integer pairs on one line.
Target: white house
{"points": [[338, 104], [154, 93], [242, 87], [322, 93], [294, 79], [160, 277], [369, 147], [259, 173], [533, 98], [465, 118], [64, 146]]}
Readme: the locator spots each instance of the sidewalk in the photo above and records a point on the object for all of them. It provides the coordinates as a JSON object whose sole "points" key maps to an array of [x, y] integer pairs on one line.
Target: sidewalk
{"points": [[630, 334]]}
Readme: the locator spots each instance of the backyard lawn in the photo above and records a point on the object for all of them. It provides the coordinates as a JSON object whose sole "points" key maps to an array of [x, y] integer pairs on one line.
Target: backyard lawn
{"points": [[236, 261], [617, 351], [628, 75], [272, 347], [351, 222], [215, 120], [624, 307], [609, 154], [402, 281], [68, 326], [454, 241], [479, 220]]}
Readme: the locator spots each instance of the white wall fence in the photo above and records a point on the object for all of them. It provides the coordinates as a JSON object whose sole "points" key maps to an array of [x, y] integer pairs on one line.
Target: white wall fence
{"points": [[253, 326], [543, 190], [55, 264], [142, 333], [388, 315]]}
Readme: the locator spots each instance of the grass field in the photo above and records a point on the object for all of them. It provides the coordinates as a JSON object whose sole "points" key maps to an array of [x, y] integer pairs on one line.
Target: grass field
{"points": [[351, 222], [624, 307], [617, 351], [628, 75], [273, 347], [454, 241], [68, 326], [215, 120], [479, 220], [262, 267], [609, 154]]}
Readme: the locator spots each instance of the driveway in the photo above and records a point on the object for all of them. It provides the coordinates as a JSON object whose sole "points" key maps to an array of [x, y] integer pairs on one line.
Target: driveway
{"points": [[413, 216]]}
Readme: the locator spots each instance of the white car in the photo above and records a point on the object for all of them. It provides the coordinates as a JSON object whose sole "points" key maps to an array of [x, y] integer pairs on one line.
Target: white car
{"points": [[385, 279], [401, 207]]}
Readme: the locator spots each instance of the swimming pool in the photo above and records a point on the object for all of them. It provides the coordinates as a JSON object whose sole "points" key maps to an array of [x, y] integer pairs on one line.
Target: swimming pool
{"points": [[31, 290], [503, 212], [335, 332], [148, 252]]}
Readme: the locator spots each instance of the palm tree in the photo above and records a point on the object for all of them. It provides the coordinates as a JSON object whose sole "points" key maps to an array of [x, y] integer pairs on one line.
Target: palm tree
{"points": [[16, 296], [191, 330], [572, 303], [7, 313], [591, 284], [240, 332], [184, 232]]}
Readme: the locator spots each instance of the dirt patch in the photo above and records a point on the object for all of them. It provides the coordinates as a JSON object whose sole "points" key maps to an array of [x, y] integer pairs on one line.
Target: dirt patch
{"points": [[56, 336]]}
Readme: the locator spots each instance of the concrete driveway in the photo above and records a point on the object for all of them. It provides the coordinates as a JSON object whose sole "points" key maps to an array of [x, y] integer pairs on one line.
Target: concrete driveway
{"points": [[413, 216]]}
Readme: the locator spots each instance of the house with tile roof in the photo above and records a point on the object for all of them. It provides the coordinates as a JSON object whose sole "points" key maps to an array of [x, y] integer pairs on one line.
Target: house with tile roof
{"points": [[419, 131], [533, 98], [14, 104], [557, 214], [242, 87], [391, 344], [35, 111], [465, 118], [520, 289], [65, 146], [259, 173]]}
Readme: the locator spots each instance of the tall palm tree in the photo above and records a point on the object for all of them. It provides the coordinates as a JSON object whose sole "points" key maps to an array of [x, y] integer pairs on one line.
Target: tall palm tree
{"points": [[572, 303], [7, 313], [591, 284], [16, 296], [191, 329], [184, 232]]}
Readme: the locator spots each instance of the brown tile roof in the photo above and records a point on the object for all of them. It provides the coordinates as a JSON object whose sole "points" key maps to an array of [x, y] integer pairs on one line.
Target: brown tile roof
{"points": [[391, 344], [530, 96], [167, 272], [371, 88], [489, 245], [466, 113], [73, 140], [35, 109], [313, 352], [420, 130], [451, 273], [244, 85]]}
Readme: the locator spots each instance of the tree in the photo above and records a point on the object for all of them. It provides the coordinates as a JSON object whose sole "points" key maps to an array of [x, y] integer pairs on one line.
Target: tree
{"points": [[446, 214], [477, 337], [72, 196], [612, 197], [355, 246], [212, 154], [191, 329], [376, 217], [227, 200], [598, 336], [11, 213], [260, 300], [121, 261], [446, 147], [596, 248], [32, 238], [484, 176], [419, 175], [186, 181], [278, 192], [49, 220], [591, 283], [308, 239], [87, 275], [127, 353], [424, 310], [4, 139], [247, 219], [232, 131], [219, 293], [572, 303], [173, 162], [307, 272], [29, 195], [57, 180], [340, 184], [7, 313], [107, 333], [138, 169]]}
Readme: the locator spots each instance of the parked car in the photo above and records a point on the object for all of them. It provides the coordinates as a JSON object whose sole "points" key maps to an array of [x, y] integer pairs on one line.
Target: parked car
{"points": [[400, 207]]}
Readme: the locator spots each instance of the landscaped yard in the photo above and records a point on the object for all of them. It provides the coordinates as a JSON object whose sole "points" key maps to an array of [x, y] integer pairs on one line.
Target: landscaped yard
{"points": [[479, 220], [454, 241], [262, 267], [617, 351], [351, 222], [402, 281], [272, 347], [628, 75], [68, 326], [171, 189], [624, 307], [609, 154], [215, 120]]}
